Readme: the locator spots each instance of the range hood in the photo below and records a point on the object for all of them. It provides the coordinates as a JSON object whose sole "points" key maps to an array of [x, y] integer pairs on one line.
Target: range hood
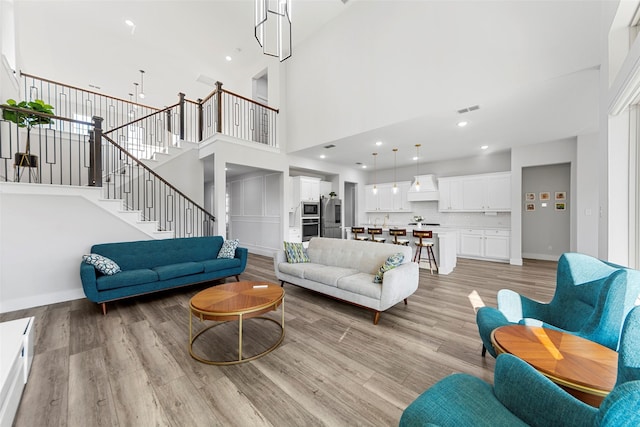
{"points": [[428, 189]]}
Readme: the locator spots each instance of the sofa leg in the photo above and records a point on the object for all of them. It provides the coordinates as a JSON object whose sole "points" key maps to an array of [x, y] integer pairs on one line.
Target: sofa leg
{"points": [[104, 308], [376, 318], [282, 283], [237, 277], [484, 350], [405, 301]]}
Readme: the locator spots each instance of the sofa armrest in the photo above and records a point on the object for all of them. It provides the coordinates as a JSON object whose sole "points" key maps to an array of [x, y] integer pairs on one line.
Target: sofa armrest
{"points": [[278, 257], [89, 283], [242, 254], [534, 399], [398, 284]]}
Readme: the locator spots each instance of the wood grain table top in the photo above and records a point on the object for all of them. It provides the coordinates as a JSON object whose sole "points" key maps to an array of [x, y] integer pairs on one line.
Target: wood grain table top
{"points": [[237, 298], [565, 358]]}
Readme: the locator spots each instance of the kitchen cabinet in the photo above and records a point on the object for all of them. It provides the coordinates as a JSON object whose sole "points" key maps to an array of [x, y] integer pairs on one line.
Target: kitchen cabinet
{"points": [[306, 189], [295, 234], [475, 193], [385, 200], [484, 244], [450, 194]]}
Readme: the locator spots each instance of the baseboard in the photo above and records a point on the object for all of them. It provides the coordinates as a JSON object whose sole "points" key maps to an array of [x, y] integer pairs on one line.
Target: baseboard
{"points": [[41, 299], [542, 257], [515, 261]]}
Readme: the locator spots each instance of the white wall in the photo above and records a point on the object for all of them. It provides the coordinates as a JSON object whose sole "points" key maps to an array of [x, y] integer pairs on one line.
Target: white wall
{"points": [[185, 172], [44, 231]]}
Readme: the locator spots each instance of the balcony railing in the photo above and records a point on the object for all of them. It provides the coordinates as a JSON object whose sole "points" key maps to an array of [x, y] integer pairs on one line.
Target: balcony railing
{"points": [[221, 112]]}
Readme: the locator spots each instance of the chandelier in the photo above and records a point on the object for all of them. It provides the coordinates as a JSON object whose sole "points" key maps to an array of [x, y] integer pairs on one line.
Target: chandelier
{"points": [[273, 27]]}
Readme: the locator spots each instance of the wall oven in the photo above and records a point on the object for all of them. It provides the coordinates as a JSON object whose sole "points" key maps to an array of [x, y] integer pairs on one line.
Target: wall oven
{"points": [[310, 228], [310, 210]]}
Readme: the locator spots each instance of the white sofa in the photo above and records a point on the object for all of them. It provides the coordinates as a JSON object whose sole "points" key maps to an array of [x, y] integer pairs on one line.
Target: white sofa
{"points": [[344, 269]]}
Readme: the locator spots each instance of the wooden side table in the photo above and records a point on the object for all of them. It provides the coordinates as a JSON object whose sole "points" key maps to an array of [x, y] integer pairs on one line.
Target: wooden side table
{"points": [[585, 369]]}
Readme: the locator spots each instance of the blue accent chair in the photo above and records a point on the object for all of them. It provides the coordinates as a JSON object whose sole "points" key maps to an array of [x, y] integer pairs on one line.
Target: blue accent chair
{"points": [[521, 396], [591, 300]]}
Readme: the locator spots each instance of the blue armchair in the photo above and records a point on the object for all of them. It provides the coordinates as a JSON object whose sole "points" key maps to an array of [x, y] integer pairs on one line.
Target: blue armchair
{"points": [[522, 396], [591, 300]]}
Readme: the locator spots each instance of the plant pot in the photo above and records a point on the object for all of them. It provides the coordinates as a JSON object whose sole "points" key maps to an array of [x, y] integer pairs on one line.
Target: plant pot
{"points": [[24, 160]]}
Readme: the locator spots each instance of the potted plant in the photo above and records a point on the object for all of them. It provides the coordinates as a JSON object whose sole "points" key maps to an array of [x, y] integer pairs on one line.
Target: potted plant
{"points": [[332, 194], [28, 120]]}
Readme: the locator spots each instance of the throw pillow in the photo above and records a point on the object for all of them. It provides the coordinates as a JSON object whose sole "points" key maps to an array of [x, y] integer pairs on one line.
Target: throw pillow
{"points": [[103, 264], [295, 253], [392, 262], [228, 249]]}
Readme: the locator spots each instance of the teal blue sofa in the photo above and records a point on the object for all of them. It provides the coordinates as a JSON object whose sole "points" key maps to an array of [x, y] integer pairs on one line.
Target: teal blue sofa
{"points": [[591, 300], [521, 396], [153, 265]]}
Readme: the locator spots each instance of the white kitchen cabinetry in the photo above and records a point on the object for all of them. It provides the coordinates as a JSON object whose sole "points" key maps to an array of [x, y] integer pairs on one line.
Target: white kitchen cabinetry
{"points": [[385, 200], [295, 234], [476, 193], [16, 355], [484, 244], [306, 189], [450, 194]]}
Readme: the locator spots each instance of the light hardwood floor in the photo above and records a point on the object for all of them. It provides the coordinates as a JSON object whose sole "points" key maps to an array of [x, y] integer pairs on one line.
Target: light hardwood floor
{"points": [[334, 367]]}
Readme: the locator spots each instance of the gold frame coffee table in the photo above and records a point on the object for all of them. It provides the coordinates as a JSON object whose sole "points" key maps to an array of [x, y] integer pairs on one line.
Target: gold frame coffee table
{"points": [[583, 368], [235, 301]]}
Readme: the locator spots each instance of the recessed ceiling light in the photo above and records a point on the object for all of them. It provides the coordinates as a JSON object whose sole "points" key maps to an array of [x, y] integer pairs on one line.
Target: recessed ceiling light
{"points": [[130, 23], [414, 158], [379, 143], [462, 124], [228, 58], [484, 147], [364, 166], [322, 156]]}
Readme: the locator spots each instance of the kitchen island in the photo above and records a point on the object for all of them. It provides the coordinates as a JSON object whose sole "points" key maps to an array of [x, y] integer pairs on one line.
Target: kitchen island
{"points": [[444, 243]]}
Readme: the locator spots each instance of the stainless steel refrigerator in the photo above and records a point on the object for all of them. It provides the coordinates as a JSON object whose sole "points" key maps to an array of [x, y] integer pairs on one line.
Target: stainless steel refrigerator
{"points": [[330, 218]]}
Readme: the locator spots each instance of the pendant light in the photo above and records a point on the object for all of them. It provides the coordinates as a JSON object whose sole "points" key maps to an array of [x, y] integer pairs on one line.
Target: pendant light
{"points": [[375, 174], [395, 181], [135, 106], [417, 167], [141, 94]]}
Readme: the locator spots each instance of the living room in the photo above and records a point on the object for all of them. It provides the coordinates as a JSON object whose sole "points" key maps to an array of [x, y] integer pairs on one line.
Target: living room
{"points": [[598, 149]]}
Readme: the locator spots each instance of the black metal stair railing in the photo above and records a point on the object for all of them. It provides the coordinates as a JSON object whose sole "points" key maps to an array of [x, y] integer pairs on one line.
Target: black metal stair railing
{"points": [[126, 177]]}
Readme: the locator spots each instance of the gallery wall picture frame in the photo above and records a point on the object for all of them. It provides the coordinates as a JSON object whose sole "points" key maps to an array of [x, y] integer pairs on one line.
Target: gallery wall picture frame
{"points": [[545, 195], [529, 197], [529, 207], [561, 195], [561, 206]]}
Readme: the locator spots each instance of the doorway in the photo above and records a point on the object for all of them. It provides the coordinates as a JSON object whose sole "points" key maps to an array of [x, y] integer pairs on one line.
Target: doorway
{"points": [[349, 205], [546, 219]]}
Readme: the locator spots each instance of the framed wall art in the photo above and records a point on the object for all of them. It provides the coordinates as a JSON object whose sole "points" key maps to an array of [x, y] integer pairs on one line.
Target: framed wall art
{"points": [[545, 195]]}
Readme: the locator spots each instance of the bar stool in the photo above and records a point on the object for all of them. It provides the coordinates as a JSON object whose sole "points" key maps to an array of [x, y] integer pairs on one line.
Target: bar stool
{"points": [[420, 234], [373, 232], [395, 232], [356, 230]]}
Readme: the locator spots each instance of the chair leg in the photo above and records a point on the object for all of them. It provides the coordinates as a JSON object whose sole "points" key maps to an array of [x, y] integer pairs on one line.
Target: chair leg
{"points": [[376, 318], [416, 257], [405, 301], [484, 350], [237, 277], [432, 255]]}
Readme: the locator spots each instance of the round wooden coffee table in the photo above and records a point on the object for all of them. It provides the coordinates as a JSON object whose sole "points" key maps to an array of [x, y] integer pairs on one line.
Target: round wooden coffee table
{"points": [[585, 369], [235, 301]]}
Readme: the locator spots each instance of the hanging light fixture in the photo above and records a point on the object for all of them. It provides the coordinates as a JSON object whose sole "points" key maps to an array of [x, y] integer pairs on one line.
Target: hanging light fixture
{"points": [[141, 95], [375, 174], [273, 27], [131, 113], [417, 167], [395, 180], [135, 107]]}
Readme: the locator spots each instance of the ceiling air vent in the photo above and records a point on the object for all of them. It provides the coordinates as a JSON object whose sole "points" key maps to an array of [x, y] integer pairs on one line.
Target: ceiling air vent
{"points": [[469, 109], [330, 146]]}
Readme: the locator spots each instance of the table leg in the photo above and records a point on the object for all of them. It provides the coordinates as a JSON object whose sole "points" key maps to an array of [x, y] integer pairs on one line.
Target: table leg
{"points": [[240, 337]]}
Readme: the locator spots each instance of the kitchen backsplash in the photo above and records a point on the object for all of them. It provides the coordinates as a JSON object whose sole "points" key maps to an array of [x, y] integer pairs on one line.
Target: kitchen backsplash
{"points": [[429, 211]]}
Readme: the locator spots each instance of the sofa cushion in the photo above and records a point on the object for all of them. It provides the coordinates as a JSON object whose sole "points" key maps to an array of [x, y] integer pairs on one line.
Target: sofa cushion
{"points": [[295, 252], [392, 262], [328, 275], [361, 284], [171, 271], [103, 264], [126, 278], [220, 264], [296, 270], [228, 249]]}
